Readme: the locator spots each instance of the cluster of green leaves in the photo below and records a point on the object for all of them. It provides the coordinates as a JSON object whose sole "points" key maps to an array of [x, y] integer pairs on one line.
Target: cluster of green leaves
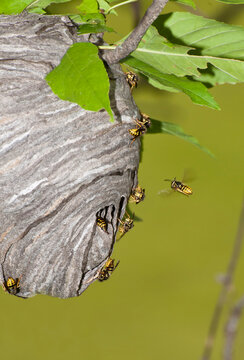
{"points": [[188, 53], [180, 52]]}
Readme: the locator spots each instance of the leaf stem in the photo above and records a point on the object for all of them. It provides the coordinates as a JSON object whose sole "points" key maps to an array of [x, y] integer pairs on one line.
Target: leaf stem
{"points": [[120, 4], [107, 47], [32, 3]]}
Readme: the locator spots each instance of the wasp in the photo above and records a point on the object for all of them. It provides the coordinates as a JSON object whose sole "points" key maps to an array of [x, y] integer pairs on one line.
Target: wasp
{"points": [[12, 285], [107, 269], [126, 225], [137, 194], [102, 223], [179, 186], [132, 79], [138, 131], [145, 120]]}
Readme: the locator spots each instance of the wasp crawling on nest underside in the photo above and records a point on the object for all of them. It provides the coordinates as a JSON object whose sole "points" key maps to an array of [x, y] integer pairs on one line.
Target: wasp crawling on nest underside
{"points": [[141, 127], [125, 225], [137, 194], [107, 269]]}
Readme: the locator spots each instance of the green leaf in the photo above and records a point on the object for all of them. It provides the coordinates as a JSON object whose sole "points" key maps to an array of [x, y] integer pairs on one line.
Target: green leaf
{"points": [[157, 84], [213, 40], [36, 11], [195, 90], [209, 36], [232, 1], [93, 28], [174, 59], [88, 6], [167, 58], [164, 127], [186, 2], [212, 76], [81, 78], [34, 6], [13, 6]]}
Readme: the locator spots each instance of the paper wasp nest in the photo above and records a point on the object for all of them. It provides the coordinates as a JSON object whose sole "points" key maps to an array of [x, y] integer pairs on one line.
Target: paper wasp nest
{"points": [[59, 165]]}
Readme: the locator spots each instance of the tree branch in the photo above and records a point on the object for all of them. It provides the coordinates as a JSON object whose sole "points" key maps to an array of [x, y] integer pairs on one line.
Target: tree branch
{"points": [[131, 43], [231, 328], [226, 286]]}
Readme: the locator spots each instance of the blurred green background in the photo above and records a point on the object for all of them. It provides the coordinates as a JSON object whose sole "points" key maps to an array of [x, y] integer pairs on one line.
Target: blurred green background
{"points": [[159, 302]]}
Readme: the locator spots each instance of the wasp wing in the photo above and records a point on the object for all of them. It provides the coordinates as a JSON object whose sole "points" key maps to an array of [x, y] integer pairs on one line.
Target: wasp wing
{"points": [[165, 192]]}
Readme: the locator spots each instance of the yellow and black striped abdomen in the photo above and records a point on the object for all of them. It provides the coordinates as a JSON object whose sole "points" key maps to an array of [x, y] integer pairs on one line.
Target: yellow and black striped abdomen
{"points": [[101, 222], [12, 285], [135, 132], [107, 270], [184, 189], [10, 282]]}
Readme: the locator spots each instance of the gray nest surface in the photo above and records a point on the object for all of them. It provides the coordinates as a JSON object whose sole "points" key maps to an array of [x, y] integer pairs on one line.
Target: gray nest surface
{"points": [[60, 165]]}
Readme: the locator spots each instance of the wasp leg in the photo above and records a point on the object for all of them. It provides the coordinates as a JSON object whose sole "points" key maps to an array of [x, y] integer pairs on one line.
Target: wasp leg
{"points": [[137, 122], [121, 222], [116, 264], [133, 140]]}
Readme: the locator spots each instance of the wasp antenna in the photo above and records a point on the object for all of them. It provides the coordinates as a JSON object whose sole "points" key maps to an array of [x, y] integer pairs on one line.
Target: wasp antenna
{"points": [[117, 264], [167, 180]]}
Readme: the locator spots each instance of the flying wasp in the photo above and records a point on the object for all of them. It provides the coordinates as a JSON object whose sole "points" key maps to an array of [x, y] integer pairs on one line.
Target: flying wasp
{"points": [[132, 79], [125, 225], [137, 194], [180, 187], [107, 269], [102, 223], [12, 285]]}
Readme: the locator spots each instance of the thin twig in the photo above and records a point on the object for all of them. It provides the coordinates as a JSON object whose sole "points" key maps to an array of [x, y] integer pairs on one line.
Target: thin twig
{"points": [[132, 41], [231, 328], [226, 286]]}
